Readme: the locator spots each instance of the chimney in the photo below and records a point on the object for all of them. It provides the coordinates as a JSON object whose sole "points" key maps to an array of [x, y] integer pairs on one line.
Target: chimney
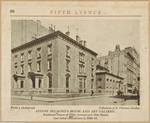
{"points": [[80, 42], [38, 28], [117, 48], [85, 43], [68, 33], [77, 38], [34, 37], [54, 27], [51, 29]]}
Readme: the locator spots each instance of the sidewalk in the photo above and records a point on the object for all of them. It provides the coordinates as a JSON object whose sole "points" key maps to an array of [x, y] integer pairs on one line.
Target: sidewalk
{"points": [[51, 99]]}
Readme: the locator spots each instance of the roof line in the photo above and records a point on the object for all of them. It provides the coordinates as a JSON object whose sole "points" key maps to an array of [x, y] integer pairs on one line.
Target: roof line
{"points": [[56, 33], [109, 74]]}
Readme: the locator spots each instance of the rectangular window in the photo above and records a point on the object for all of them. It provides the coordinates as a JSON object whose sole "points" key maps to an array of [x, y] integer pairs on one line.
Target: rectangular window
{"points": [[22, 57], [111, 61], [92, 72], [81, 69], [68, 51], [111, 68], [49, 47], [15, 59], [29, 67], [106, 61], [29, 55], [22, 69], [80, 83], [92, 61], [22, 84], [49, 64], [67, 82], [84, 83], [38, 66], [50, 81], [91, 85], [39, 53], [16, 69], [81, 57], [100, 62], [67, 65]]}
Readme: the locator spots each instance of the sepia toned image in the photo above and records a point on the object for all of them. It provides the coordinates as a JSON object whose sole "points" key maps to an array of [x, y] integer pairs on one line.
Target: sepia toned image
{"points": [[75, 62]]}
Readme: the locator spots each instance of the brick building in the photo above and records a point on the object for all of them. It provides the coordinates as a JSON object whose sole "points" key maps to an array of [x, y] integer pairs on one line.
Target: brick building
{"points": [[123, 63], [53, 64]]}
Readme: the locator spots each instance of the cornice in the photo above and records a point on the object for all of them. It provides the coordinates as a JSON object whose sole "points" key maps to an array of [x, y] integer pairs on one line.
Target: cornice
{"points": [[53, 36], [109, 74]]}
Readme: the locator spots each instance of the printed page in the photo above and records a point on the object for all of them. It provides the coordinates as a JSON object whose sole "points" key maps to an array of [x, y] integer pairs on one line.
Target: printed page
{"points": [[75, 61]]}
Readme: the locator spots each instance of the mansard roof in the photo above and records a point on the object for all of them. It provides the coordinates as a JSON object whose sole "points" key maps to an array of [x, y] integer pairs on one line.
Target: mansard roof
{"points": [[53, 35]]}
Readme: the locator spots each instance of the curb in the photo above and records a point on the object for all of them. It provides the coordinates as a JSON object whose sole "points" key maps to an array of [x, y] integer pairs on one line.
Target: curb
{"points": [[56, 100]]}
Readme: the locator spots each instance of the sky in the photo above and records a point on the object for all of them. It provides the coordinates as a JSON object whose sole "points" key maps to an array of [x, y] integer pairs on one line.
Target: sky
{"points": [[101, 35]]}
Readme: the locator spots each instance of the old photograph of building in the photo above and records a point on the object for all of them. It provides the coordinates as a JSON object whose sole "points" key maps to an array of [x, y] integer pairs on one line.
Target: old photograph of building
{"points": [[97, 64]]}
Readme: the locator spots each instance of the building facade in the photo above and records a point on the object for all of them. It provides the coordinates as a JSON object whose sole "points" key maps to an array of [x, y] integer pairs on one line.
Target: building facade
{"points": [[124, 63], [54, 63], [106, 82]]}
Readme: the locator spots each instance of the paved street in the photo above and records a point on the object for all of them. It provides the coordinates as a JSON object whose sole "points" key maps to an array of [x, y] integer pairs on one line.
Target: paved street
{"points": [[96, 100]]}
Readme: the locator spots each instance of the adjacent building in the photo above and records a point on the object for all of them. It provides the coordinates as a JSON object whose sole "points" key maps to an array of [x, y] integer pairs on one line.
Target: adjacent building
{"points": [[53, 64], [106, 82], [24, 31], [125, 64]]}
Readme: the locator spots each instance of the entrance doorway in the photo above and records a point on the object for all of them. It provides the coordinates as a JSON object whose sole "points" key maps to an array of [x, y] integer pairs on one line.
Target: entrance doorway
{"points": [[33, 82], [22, 82], [40, 81]]}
